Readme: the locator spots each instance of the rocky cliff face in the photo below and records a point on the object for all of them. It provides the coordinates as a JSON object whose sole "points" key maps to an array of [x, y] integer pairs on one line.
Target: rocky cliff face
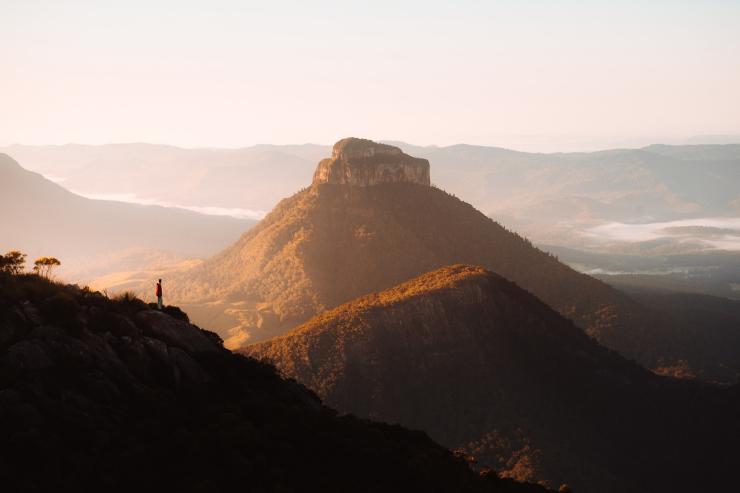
{"points": [[362, 162], [110, 395]]}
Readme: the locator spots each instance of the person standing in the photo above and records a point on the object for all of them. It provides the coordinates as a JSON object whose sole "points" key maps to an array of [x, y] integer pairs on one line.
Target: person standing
{"points": [[159, 294]]}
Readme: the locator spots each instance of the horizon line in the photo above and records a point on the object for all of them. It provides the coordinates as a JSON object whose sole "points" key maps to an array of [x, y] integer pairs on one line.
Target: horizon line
{"points": [[732, 139]]}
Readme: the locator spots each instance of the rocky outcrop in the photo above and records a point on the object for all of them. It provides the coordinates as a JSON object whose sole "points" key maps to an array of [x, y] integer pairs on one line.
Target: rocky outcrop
{"points": [[176, 332], [362, 162], [137, 348]]}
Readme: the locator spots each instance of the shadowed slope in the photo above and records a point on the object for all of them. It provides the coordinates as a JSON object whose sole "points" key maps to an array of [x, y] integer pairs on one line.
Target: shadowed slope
{"points": [[473, 359], [109, 395]]}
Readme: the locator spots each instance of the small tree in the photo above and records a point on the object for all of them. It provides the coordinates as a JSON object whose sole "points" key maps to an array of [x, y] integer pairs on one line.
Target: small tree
{"points": [[12, 262], [43, 266]]}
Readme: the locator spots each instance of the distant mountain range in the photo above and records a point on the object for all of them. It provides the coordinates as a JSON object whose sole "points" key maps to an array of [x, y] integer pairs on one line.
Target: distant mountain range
{"points": [[568, 199], [96, 237], [476, 361], [563, 198], [245, 181]]}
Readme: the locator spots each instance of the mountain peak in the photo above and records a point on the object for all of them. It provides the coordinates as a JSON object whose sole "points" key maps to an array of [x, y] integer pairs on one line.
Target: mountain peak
{"points": [[362, 162], [449, 277], [353, 147]]}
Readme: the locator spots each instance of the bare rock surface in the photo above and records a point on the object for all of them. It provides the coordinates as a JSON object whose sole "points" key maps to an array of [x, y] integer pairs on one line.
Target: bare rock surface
{"points": [[176, 332], [362, 162]]}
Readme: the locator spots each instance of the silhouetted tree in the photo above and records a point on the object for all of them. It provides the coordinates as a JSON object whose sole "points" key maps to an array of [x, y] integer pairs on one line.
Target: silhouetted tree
{"points": [[43, 266], [12, 262]]}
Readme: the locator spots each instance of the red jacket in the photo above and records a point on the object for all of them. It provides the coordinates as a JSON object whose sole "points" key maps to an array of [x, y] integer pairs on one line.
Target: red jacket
{"points": [[159, 289]]}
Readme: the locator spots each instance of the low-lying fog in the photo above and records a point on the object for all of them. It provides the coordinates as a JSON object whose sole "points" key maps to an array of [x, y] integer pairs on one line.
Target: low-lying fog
{"points": [[716, 232], [132, 198]]}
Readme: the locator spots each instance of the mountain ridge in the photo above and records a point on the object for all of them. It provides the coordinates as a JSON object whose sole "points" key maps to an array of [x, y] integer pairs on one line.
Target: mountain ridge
{"points": [[111, 394], [476, 361], [550, 197]]}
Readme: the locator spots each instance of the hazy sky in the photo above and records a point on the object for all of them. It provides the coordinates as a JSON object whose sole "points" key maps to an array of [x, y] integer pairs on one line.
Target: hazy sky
{"points": [[538, 74]]}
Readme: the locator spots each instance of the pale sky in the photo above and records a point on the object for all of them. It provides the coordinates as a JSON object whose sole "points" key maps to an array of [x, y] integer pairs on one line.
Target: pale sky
{"points": [[554, 74]]}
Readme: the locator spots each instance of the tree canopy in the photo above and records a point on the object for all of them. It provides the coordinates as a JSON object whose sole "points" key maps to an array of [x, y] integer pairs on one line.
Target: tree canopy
{"points": [[43, 265], [12, 262]]}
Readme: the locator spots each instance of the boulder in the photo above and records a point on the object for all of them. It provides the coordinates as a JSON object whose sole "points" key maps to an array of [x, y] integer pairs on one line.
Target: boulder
{"points": [[30, 313], [123, 326], [28, 355], [176, 332], [190, 370]]}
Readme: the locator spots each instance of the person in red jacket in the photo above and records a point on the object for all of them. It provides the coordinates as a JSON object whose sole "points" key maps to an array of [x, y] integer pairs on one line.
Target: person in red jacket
{"points": [[159, 294]]}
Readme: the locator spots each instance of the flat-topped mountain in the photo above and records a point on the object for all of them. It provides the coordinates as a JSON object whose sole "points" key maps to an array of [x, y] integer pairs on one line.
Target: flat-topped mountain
{"points": [[98, 394], [362, 162], [331, 243], [476, 361]]}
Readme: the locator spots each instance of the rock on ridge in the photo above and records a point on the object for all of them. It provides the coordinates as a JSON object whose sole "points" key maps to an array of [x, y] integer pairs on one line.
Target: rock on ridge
{"points": [[362, 162]]}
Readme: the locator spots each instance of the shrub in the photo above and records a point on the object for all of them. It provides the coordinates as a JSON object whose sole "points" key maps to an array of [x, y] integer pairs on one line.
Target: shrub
{"points": [[126, 297], [129, 303], [44, 265], [12, 262]]}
